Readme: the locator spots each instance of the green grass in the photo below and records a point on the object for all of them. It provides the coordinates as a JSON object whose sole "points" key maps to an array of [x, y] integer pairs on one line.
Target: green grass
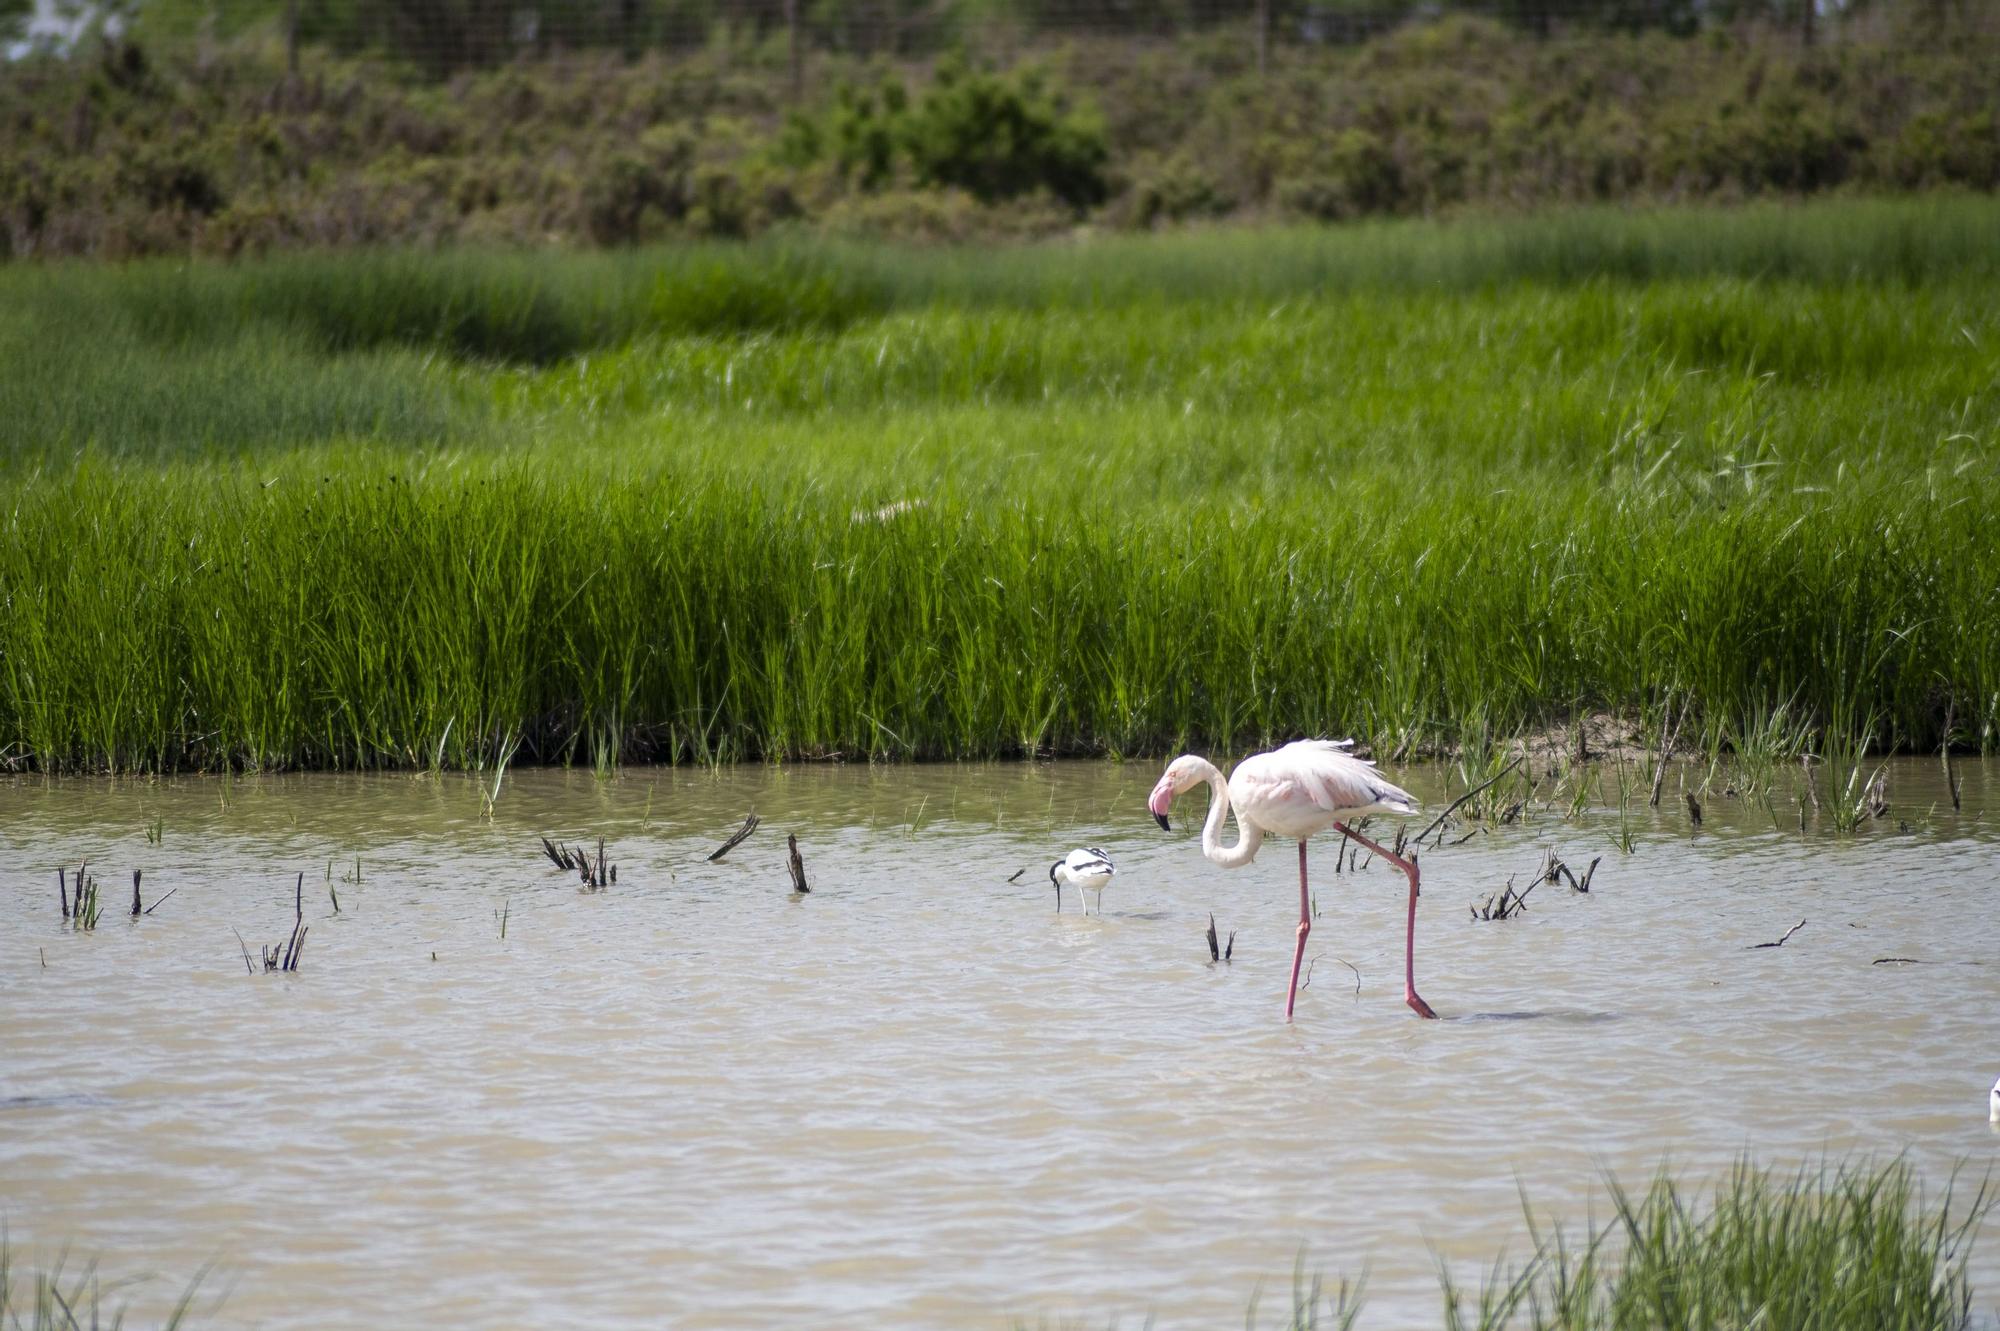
{"points": [[1417, 482], [1845, 1247], [57, 1299]]}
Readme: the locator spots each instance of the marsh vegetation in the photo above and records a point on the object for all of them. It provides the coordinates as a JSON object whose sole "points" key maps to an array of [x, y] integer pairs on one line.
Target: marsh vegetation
{"points": [[1724, 477]]}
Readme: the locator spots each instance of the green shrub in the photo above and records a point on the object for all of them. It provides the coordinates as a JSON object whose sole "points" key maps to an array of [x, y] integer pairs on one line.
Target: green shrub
{"points": [[997, 136]]}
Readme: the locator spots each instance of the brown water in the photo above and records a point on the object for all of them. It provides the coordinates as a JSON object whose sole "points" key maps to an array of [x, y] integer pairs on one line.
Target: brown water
{"points": [[918, 1097]]}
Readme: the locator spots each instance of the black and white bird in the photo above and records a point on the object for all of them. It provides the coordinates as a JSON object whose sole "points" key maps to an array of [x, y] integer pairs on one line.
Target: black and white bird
{"points": [[1993, 1103], [1086, 870]]}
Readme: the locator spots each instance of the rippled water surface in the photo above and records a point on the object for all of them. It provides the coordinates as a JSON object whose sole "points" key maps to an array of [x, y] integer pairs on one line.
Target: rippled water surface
{"points": [[919, 1097]]}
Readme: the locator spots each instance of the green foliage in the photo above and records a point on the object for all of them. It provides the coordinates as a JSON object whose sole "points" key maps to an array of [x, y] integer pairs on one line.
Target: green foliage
{"points": [[994, 136], [997, 136], [777, 500]]}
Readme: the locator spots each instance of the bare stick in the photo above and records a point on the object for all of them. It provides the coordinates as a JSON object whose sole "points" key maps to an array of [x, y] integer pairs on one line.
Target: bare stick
{"points": [[137, 910], [1214, 943], [1908, 961], [741, 834], [62, 892], [246, 950], [1781, 942], [1438, 821], [1015, 877], [170, 891]]}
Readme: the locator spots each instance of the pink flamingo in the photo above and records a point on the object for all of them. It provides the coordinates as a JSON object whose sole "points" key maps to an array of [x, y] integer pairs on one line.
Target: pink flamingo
{"points": [[1296, 791]]}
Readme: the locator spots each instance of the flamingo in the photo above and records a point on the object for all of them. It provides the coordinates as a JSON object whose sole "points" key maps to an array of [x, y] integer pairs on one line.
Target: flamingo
{"points": [[1296, 791], [1089, 868]]}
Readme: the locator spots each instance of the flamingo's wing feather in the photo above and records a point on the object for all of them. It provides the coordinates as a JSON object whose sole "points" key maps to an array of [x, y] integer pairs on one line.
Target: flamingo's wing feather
{"points": [[1336, 780]]}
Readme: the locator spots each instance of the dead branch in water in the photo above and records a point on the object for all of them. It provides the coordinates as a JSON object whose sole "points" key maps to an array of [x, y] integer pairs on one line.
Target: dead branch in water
{"points": [[1553, 870], [1904, 961], [1694, 808], [736, 839], [1781, 942], [1504, 904], [795, 863], [1454, 806], [1015, 877]]}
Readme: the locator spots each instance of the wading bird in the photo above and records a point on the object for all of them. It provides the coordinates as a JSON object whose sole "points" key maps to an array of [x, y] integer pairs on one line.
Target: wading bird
{"points": [[1089, 869], [1296, 791], [1993, 1102]]}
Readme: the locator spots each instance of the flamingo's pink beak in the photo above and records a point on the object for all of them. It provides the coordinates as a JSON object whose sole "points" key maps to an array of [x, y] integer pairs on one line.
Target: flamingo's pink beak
{"points": [[1160, 801]]}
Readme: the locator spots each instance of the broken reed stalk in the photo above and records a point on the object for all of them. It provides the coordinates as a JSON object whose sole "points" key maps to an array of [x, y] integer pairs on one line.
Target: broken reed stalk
{"points": [[592, 869], [1951, 780], [795, 863], [1875, 798], [1454, 806], [137, 908], [736, 839], [80, 908], [285, 957], [1668, 738], [1217, 949], [1554, 870]]}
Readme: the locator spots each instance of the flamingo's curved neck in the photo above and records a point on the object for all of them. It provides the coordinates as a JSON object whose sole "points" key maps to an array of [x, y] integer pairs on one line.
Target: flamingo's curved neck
{"points": [[1249, 836]]}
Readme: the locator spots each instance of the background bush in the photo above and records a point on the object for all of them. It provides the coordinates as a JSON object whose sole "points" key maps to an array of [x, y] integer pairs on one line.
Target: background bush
{"points": [[210, 146]]}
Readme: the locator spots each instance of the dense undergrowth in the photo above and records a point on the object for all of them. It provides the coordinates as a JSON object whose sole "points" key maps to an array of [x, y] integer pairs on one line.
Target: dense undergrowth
{"points": [[1427, 485], [176, 146]]}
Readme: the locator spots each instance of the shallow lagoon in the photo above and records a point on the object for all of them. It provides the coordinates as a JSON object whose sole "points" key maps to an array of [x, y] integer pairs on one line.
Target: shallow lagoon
{"points": [[919, 1097]]}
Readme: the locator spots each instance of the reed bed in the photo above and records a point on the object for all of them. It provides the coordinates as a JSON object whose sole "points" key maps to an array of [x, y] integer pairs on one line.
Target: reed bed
{"points": [[1425, 484]]}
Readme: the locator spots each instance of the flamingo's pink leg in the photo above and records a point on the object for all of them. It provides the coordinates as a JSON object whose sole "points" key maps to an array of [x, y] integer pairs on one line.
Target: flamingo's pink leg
{"points": [[1409, 868], [1305, 927]]}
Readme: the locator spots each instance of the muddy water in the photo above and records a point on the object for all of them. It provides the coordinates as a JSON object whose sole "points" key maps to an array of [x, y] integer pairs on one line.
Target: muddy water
{"points": [[919, 1097]]}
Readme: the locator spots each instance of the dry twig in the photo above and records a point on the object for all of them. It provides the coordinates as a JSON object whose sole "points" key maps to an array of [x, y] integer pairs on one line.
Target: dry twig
{"points": [[1781, 942]]}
